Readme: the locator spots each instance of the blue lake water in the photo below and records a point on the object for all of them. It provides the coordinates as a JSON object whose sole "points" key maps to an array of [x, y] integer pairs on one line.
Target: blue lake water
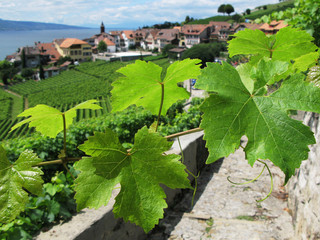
{"points": [[10, 41]]}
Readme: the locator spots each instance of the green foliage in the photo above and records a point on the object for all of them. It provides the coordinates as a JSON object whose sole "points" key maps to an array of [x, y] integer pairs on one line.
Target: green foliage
{"points": [[26, 72], [239, 105], [54, 204], [102, 46], [62, 60], [89, 80], [247, 108], [15, 179], [50, 121], [286, 45], [139, 171], [134, 89], [166, 48], [228, 9], [204, 52]]}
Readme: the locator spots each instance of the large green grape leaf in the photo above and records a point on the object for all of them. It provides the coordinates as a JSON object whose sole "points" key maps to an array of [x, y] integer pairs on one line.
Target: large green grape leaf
{"points": [[142, 85], [139, 172], [304, 62], [286, 45], [14, 179], [234, 111], [48, 120]]}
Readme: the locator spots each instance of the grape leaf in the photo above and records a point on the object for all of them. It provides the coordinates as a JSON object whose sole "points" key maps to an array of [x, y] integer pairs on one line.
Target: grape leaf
{"points": [[304, 62], [286, 45], [14, 178], [234, 111], [142, 85], [268, 72], [139, 172], [48, 120]]}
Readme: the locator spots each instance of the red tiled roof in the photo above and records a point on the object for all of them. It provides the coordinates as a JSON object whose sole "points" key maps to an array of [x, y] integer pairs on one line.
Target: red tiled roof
{"points": [[49, 49], [193, 29], [252, 26], [167, 34], [129, 33], [108, 42], [273, 26], [68, 42]]}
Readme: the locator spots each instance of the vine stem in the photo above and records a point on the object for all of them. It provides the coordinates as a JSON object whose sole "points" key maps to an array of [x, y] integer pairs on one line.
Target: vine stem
{"points": [[64, 135], [161, 104], [65, 146], [183, 133], [60, 161]]}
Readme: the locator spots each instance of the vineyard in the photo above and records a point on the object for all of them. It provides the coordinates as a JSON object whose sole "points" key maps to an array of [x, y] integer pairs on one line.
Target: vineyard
{"points": [[90, 80], [5, 103]]}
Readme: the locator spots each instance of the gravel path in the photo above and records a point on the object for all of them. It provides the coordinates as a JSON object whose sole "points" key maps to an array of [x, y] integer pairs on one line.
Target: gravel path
{"points": [[226, 211]]}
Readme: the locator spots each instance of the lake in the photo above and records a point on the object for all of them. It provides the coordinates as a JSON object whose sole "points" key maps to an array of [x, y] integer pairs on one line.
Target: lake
{"points": [[10, 41]]}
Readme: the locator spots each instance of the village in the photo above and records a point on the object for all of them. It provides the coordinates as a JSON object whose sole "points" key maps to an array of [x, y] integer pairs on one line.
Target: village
{"points": [[51, 58]]}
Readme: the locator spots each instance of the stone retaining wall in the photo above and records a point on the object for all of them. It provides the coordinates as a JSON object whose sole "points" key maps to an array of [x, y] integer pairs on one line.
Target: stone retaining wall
{"points": [[304, 189], [101, 225]]}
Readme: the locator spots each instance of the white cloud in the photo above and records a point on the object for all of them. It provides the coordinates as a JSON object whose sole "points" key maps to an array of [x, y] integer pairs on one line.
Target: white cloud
{"points": [[111, 12]]}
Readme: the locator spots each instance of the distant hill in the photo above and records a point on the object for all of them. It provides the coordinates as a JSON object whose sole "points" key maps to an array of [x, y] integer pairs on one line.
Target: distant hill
{"points": [[255, 13], [8, 25]]}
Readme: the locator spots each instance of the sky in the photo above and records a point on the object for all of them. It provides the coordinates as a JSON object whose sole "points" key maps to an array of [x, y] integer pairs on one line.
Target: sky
{"points": [[117, 13]]}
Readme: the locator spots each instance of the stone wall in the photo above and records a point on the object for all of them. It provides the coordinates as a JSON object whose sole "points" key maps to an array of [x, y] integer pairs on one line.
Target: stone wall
{"points": [[304, 189]]}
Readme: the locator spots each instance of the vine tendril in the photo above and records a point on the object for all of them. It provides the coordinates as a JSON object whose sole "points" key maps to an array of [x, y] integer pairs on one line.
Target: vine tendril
{"points": [[256, 178]]}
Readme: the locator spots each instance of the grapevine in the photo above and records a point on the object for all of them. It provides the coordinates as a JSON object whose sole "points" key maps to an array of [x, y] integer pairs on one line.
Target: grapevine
{"points": [[239, 104]]}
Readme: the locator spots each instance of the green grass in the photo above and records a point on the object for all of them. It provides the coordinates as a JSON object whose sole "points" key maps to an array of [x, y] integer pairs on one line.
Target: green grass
{"points": [[11, 105], [270, 8], [254, 14]]}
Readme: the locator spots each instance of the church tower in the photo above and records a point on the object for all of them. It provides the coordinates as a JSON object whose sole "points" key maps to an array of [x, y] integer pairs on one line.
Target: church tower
{"points": [[102, 28]]}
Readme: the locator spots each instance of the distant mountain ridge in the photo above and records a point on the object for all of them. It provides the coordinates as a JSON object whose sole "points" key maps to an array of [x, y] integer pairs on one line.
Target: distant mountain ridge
{"points": [[9, 25]]}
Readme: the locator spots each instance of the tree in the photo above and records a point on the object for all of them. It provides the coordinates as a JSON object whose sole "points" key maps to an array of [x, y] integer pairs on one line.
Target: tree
{"points": [[27, 72], [102, 46], [7, 70], [23, 58], [248, 11], [237, 18], [221, 9], [229, 9], [166, 48], [41, 72], [205, 52], [62, 60]]}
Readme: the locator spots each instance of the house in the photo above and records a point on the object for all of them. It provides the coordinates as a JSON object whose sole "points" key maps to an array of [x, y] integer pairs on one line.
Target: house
{"points": [[149, 42], [194, 34], [111, 46], [220, 31], [32, 56], [273, 27], [176, 53], [48, 52], [128, 36], [118, 40], [242, 26], [75, 48], [103, 34], [140, 36], [167, 36]]}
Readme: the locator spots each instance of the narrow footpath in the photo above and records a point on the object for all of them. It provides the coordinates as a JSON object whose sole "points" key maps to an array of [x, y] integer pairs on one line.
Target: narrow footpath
{"points": [[226, 211]]}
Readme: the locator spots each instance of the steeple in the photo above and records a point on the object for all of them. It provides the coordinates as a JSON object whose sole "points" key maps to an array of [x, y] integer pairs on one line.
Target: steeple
{"points": [[102, 28]]}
